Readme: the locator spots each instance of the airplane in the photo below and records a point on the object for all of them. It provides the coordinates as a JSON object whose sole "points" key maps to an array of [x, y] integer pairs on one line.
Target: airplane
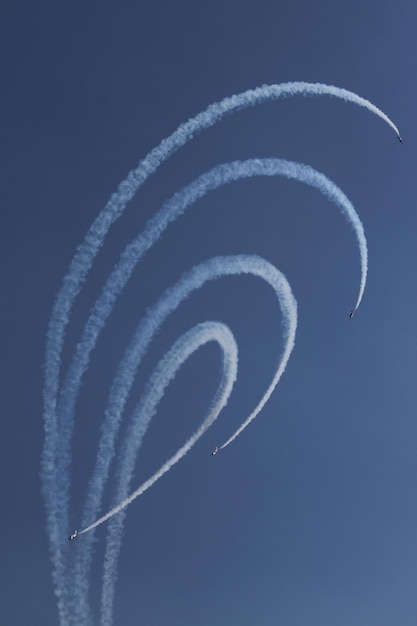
{"points": [[74, 534], [215, 451], [351, 314], [399, 138]]}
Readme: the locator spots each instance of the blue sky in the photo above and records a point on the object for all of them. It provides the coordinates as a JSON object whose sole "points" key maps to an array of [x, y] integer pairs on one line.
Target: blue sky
{"points": [[309, 517]]}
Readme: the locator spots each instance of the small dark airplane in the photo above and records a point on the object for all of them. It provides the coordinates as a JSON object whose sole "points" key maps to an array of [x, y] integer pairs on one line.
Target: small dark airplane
{"points": [[399, 138], [74, 534], [351, 314], [215, 451]]}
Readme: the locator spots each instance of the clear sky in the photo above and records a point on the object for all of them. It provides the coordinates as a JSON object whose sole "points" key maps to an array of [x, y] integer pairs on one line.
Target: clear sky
{"points": [[309, 518]]}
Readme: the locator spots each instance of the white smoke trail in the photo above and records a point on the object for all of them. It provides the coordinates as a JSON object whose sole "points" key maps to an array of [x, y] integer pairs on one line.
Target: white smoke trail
{"points": [[220, 175], [126, 372], [148, 327], [171, 210], [143, 413], [147, 406], [153, 230], [220, 266], [137, 427], [55, 479]]}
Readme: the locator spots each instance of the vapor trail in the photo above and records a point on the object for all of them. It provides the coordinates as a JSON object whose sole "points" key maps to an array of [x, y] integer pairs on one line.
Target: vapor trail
{"points": [[137, 427], [191, 281], [163, 374], [126, 372], [97, 232], [170, 211], [215, 268], [55, 480], [154, 391]]}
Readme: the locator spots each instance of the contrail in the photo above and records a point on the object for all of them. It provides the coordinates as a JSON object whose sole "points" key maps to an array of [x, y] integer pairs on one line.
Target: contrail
{"points": [[148, 327], [213, 269], [137, 427], [55, 479], [143, 413], [170, 211], [126, 372]]}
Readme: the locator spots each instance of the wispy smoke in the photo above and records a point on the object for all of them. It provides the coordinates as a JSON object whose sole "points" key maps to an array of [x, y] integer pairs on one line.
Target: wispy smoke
{"points": [[60, 392]]}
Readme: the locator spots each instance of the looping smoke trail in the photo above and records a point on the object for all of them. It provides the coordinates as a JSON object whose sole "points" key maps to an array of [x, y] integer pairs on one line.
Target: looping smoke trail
{"points": [[123, 380], [215, 268], [55, 480], [171, 210], [163, 374]]}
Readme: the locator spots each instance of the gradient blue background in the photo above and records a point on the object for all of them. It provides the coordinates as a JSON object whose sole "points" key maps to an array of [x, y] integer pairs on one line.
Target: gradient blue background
{"points": [[310, 518]]}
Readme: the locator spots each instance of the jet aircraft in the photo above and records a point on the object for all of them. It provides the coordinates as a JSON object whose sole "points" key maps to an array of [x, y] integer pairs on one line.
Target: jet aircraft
{"points": [[399, 138], [215, 451], [74, 534], [351, 314]]}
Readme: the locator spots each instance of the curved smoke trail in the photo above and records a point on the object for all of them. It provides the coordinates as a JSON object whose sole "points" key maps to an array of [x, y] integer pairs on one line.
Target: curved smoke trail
{"points": [[135, 251], [121, 385], [54, 476], [149, 326], [163, 374]]}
